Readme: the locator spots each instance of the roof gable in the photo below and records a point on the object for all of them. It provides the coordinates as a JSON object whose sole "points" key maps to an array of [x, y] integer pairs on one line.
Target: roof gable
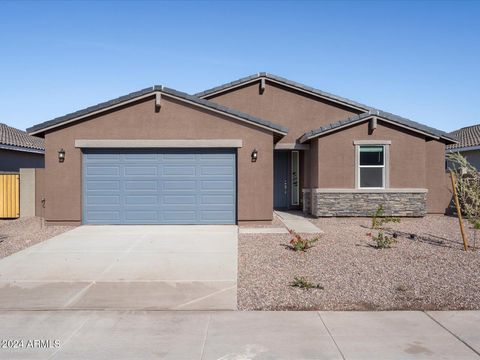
{"points": [[367, 111], [383, 116], [153, 91], [285, 82]]}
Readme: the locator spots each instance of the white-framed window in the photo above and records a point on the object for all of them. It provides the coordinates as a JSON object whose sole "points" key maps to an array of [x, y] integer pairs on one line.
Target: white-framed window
{"points": [[295, 178], [371, 162]]}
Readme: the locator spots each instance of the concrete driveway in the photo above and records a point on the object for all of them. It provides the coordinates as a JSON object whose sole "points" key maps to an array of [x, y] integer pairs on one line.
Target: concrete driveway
{"points": [[126, 268]]}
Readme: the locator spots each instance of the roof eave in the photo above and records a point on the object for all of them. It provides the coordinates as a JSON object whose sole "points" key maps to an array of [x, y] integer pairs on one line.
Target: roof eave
{"points": [[314, 133], [146, 93], [283, 82]]}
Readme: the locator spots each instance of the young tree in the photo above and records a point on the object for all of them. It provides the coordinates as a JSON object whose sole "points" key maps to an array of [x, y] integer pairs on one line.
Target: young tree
{"points": [[468, 188]]}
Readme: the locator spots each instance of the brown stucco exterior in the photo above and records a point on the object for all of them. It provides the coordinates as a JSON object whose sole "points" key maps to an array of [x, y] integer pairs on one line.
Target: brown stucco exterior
{"points": [[39, 192], [295, 110], [175, 120], [416, 160]]}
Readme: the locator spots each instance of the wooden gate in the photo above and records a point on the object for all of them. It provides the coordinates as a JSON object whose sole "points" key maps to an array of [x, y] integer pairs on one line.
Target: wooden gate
{"points": [[9, 196]]}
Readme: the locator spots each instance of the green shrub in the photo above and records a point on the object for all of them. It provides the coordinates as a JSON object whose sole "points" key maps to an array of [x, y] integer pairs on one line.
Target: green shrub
{"points": [[303, 283], [381, 240], [297, 243]]}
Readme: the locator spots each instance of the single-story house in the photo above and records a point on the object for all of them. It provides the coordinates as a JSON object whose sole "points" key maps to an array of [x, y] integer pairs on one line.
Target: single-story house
{"points": [[19, 150], [468, 144], [234, 153]]}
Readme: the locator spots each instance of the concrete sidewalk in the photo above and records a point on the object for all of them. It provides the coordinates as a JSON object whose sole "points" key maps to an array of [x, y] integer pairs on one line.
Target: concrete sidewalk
{"points": [[296, 221], [242, 335]]}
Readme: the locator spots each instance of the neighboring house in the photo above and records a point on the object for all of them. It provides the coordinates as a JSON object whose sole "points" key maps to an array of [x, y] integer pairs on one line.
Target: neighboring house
{"points": [[19, 150], [468, 144], [234, 153]]}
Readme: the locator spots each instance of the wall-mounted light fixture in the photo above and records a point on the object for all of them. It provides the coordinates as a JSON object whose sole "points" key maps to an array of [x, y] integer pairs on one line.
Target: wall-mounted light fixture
{"points": [[61, 155], [254, 155]]}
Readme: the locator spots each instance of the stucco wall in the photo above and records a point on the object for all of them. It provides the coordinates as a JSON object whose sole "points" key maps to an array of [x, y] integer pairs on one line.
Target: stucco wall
{"points": [[414, 161], [14, 160], [175, 120], [473, 158], [298, 112], [39, 192], [336, 154]]}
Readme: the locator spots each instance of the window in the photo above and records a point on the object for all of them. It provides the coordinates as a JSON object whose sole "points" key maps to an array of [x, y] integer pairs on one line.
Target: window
{"points": [[371, 166]]}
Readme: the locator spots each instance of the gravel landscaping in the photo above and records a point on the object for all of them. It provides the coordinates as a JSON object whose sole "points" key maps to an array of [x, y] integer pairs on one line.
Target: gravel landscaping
{"points": [[18, 234], [429, 272]]}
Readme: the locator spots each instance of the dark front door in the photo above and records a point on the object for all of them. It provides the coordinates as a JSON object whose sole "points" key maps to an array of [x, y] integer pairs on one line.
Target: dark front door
{"points": [[281, 192]]}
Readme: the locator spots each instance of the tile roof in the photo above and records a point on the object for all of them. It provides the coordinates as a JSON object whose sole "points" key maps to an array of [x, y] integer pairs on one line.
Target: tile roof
{"points": [[368, 110], [381, 114], [467, 137], [287, 82], [14, 138], [151, 90]]}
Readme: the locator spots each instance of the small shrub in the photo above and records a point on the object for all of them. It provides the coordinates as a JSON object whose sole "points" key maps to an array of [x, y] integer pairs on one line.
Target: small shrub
{"points": [[379, 219], [381, 240], [297, 243], [302, 283]]}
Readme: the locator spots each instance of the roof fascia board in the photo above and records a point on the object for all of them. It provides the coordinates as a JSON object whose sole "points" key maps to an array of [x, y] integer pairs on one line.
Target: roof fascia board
{"points": [[149, 94], [296, 88], [306, 138], [317, 95], [22, 149], [226, 114], [465, 148], [93, 113]]}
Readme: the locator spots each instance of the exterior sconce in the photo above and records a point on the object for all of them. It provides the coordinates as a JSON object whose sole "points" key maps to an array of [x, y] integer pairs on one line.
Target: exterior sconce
{"points": [[254, 155], [61, 155]]}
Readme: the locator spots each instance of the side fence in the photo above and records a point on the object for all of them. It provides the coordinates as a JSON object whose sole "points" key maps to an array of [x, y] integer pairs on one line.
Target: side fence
{"points": [[9, 196]]}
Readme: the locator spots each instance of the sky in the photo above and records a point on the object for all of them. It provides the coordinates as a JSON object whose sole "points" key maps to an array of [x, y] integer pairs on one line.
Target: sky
{"points": [[420, 60]]}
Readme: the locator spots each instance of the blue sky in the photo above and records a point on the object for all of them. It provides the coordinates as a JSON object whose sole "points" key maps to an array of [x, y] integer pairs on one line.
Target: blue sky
{"points": [[420, 60]]}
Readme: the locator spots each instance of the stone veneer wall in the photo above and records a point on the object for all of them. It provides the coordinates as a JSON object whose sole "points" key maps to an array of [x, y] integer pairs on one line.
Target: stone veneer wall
{"points": [[307, 201], [364, 203]]}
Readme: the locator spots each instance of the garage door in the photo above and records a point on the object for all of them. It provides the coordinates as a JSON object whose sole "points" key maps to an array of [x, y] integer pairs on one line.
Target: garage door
{"points": [[159, 186]]}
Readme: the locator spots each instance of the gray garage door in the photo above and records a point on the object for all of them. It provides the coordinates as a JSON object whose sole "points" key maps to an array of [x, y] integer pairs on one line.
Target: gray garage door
{"points": [[159, 186]]}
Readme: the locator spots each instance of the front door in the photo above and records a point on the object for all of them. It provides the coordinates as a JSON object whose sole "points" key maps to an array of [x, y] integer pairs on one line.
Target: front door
{"points": [[281, 187]]}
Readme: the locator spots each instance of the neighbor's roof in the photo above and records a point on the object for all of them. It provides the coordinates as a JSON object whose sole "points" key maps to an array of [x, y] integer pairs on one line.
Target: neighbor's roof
{"points": [[367, 111], [15, 139], [281, 80], [92, 110], [467, 137], [381, 115]]}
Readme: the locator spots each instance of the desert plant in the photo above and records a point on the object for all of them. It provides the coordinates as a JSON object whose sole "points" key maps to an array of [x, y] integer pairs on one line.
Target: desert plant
{"points": [[379, 219], [383, 241], [468, 188], [298, 243], [303, 283]]}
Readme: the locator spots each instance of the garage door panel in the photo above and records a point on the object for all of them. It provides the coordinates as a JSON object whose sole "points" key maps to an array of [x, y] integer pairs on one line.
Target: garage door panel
{"points": [[175, 185], [140, 171], [217, 185], [175, 170], [140, 185], [103, 185], [131, 186], [142, 200], [179, 199], [217, 200]]}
